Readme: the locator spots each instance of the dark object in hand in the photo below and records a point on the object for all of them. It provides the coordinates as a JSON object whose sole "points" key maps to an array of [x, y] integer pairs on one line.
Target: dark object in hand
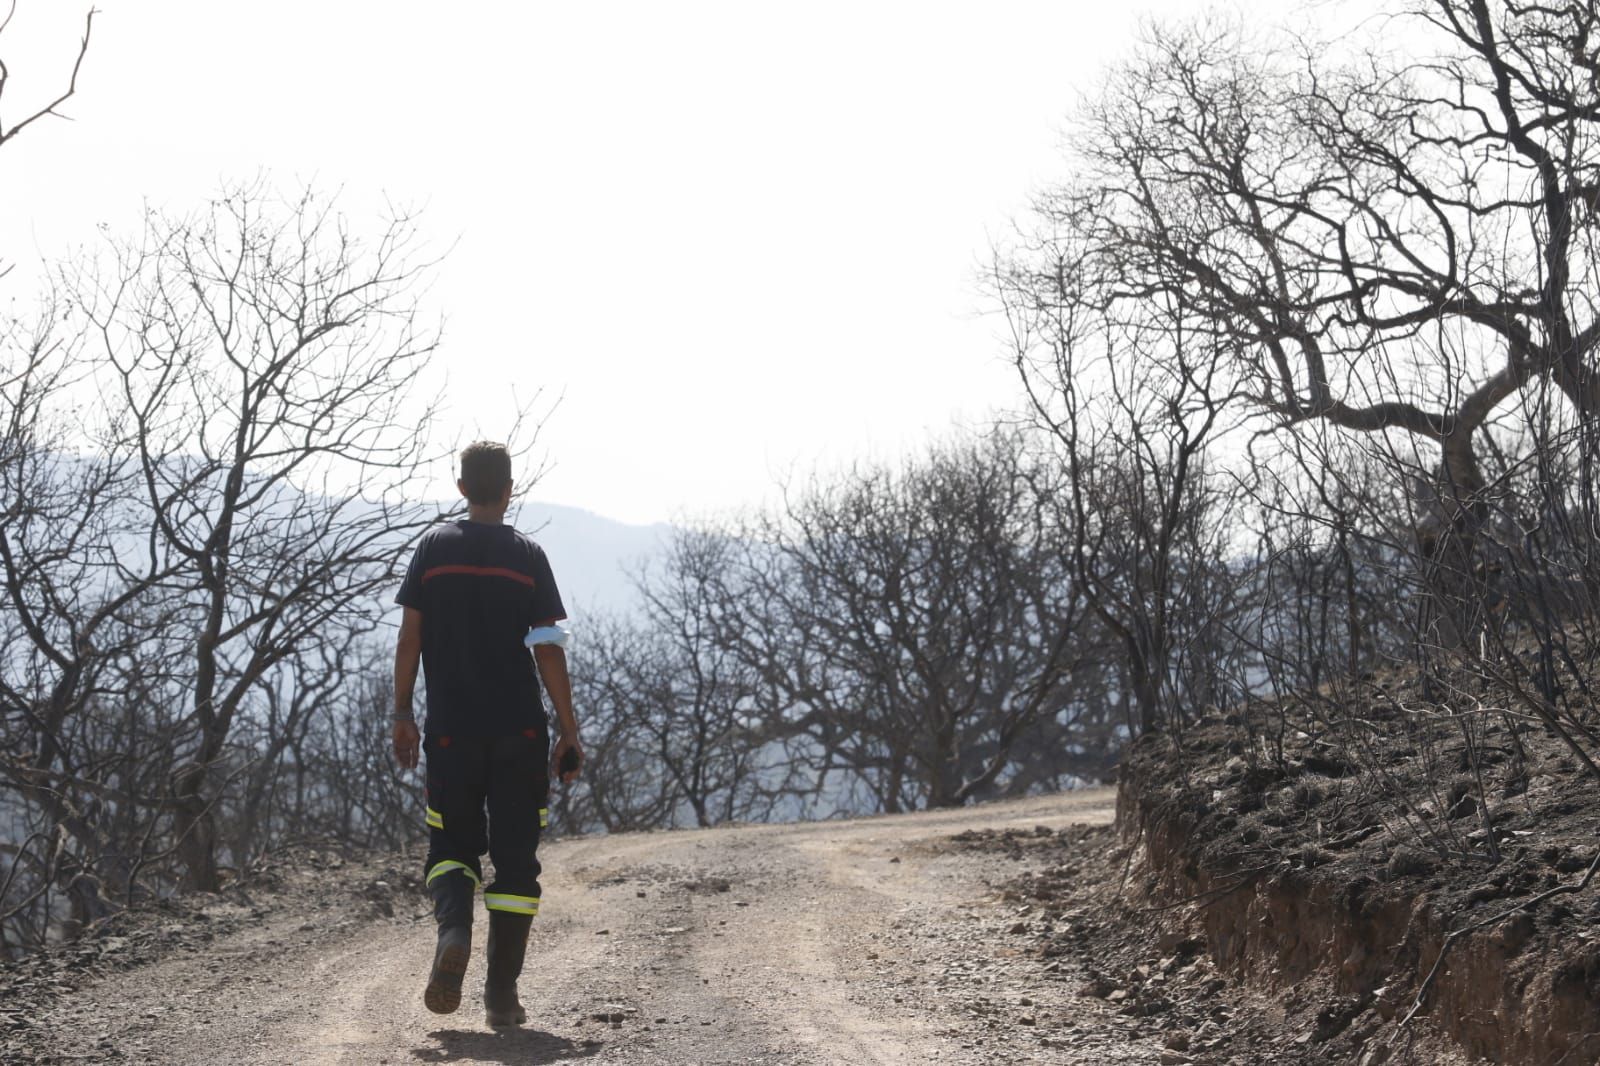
{"points": [[569, 761]]}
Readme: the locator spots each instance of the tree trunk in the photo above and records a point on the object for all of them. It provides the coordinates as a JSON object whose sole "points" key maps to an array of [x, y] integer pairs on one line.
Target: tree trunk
{"points": [[196, 828], [1146, 688], [891, 791], [944, 786], [1450, 541], [698, 803]]}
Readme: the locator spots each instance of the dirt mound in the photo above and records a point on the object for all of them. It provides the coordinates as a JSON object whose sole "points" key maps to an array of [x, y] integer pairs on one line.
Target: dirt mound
{"points": [[1338, 877], [1078, 907]]}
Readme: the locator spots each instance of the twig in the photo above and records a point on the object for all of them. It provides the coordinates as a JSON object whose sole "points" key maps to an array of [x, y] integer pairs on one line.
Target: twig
{"points": [[1247, 878], [1450, 939], [1127, 867], [72, 85], [1575, 1048]]}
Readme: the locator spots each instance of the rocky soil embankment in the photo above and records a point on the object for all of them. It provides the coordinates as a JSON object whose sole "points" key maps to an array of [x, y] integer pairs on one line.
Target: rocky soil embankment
{"points": [[1075, 900], [1282, 864]]}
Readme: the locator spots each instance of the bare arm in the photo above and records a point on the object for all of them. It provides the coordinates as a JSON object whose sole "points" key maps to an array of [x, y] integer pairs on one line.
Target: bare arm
{"points": [[407, 657], [552, 662]]}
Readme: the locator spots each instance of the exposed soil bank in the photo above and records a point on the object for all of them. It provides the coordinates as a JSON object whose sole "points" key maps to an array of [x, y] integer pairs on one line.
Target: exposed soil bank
{"points": [[1301, 876]]}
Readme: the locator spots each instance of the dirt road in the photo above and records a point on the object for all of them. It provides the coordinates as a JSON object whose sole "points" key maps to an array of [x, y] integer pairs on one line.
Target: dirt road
{"points": [[840, 942]]}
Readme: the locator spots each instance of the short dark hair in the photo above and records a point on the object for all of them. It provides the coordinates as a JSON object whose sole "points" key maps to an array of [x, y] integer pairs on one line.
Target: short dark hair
{"points": [[485, 471]]}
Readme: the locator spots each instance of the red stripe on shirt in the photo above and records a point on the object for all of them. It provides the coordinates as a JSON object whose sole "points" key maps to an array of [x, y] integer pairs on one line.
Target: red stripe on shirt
{"points": [[479, 571]]}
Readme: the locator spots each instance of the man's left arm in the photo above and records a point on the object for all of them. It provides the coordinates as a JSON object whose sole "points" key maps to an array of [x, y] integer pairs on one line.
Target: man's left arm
{"points": [[545, 610], [552, 662]]}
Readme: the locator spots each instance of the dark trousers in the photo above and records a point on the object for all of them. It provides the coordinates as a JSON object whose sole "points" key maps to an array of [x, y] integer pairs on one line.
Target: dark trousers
{"points": [[489, 795]]}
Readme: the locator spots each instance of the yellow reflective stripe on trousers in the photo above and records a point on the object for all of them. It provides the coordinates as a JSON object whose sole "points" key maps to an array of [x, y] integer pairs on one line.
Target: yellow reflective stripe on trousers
{"points": [[446, 866], [501, 901], [434, 819], [544, 817]]}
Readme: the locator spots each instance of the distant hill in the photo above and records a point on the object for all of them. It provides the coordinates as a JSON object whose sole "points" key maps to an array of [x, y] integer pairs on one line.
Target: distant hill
{"points": [[591, 555]]}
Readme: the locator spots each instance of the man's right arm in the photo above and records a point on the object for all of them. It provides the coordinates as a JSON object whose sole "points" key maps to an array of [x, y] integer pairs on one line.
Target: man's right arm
{"points": [[407, 657]]}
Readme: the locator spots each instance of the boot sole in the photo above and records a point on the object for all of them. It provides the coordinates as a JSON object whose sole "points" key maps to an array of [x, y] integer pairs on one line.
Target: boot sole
{"points": [[443, 994]]}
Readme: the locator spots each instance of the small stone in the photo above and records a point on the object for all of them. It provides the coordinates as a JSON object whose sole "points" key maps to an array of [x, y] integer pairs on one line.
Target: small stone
{"points": [[1410, 862], [615, 1013], [1170, 1057]]}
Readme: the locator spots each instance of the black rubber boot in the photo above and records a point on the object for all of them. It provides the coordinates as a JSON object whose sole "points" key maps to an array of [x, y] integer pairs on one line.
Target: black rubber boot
{"points": [[508, 942], [452, 909]]}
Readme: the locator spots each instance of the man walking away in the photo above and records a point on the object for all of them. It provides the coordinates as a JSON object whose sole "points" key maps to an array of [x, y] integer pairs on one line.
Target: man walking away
{"points": [[476, 594]]}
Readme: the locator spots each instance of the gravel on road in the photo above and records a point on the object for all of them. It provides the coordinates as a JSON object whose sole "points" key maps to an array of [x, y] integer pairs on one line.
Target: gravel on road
{"points": [[863, 941]]}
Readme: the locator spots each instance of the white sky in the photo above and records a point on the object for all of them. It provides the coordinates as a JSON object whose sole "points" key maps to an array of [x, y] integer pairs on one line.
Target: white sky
{"points": [[738, 238]]}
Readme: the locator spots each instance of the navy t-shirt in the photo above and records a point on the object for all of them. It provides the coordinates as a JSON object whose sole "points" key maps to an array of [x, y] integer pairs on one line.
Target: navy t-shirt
{"points": [[480, 588]]}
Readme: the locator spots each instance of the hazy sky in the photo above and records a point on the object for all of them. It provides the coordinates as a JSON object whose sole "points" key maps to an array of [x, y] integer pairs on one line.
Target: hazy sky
{"points": [[737, 238]]}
